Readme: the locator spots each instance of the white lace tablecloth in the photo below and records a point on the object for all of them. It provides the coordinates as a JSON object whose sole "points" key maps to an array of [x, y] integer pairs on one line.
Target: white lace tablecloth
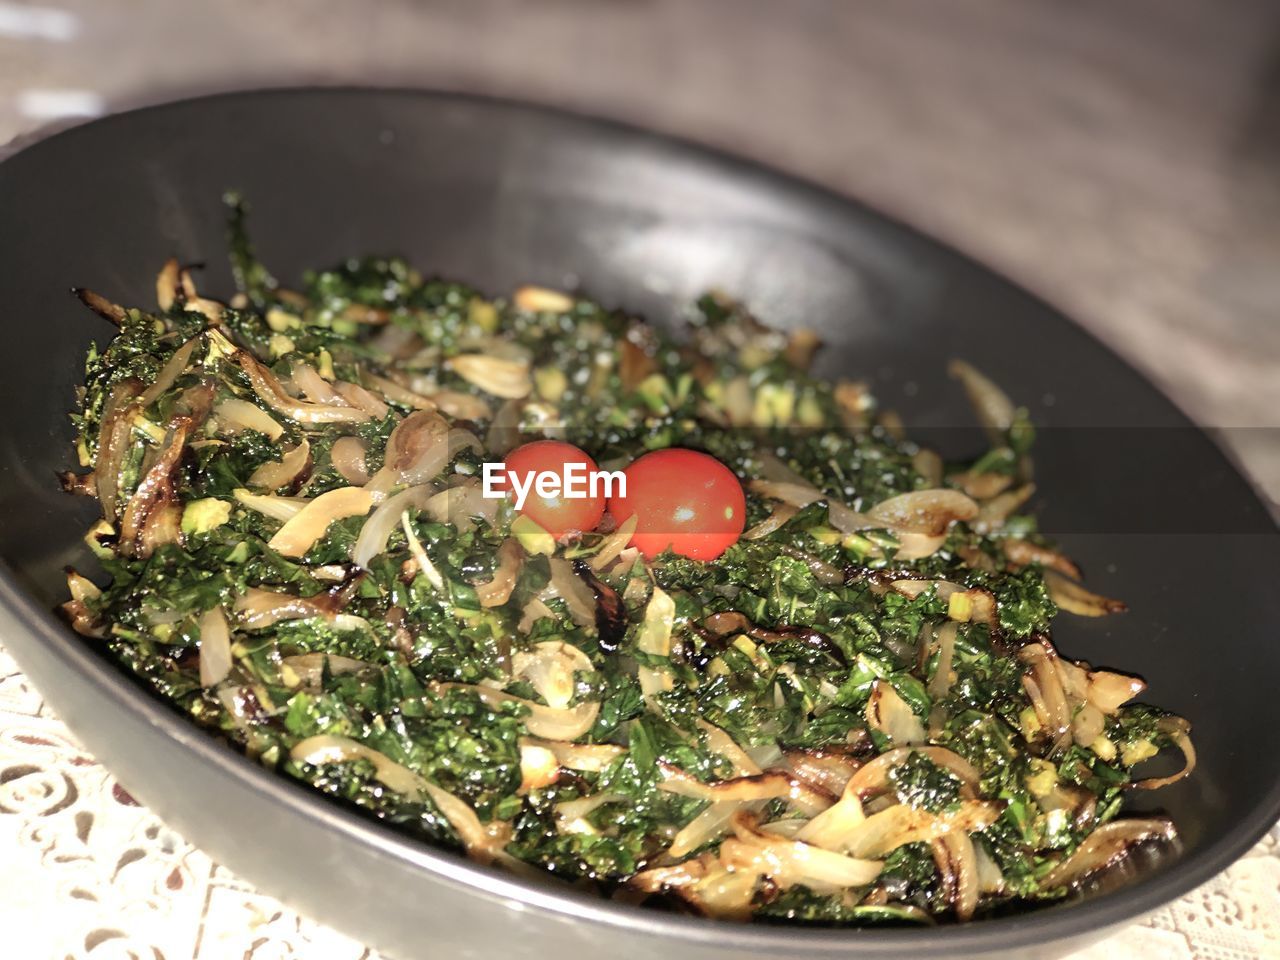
{"points": [[88, 874]]}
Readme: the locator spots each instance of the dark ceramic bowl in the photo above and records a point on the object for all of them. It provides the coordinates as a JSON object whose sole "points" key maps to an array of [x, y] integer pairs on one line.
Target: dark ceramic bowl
{"points": [[500, 194]]}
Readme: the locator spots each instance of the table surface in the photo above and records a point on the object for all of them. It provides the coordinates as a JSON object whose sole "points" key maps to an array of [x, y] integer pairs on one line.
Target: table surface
{"points": [[1117, 159]]}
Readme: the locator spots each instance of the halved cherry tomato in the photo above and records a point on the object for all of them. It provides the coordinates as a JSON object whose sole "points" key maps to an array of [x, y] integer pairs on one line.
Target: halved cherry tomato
{"points": [[685, 500], [558, 515]]}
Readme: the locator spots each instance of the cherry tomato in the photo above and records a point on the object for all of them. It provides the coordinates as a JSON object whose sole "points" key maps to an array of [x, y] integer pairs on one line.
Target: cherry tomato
{"points": [[559, 515], [685, 500]]}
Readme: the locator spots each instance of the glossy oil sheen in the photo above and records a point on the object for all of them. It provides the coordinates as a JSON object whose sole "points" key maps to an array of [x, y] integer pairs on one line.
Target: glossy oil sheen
{"points": [[500, 194]]}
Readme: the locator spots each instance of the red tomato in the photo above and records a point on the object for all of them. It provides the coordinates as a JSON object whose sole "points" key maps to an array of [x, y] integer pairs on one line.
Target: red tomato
{"points": [[685, 500], [559, 515]]}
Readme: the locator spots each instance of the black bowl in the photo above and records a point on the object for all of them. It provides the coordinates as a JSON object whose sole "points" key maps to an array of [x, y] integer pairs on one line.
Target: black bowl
{"points": [[499, 194]]}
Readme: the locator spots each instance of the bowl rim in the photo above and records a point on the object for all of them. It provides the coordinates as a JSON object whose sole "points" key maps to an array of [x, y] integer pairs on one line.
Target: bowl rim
{"points": [[21, 613]]}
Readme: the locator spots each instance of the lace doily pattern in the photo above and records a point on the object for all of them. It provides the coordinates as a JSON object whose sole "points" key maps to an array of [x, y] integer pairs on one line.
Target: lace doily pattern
{"points": [[92, 875]]}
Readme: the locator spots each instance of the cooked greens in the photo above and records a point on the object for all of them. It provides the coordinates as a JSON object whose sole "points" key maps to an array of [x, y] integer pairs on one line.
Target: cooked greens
{"points": [[855, 715]]}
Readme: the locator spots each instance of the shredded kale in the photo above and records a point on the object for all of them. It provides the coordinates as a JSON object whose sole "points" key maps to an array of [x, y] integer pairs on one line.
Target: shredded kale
{"points": [[919, 782], [584, 755]]}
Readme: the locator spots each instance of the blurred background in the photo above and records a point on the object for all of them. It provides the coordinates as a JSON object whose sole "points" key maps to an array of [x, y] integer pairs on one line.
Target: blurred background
{"points": [[1117, 158]]}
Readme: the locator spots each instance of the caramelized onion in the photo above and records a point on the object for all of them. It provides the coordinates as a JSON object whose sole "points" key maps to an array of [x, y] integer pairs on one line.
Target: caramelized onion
{"points": [[384, 520], [174, 367], [1038, 704], [1109, 691], [397, 394], [613, 545], [285, 472], [542, 300], [1074, 598], [394, 342], [994, 512], [100, 305], [77, 610], [883, 832], [772, 468], [366, 315], [654, 639], [461, 406], [1048, 684], [502, 378], [1087, 724], [611, 612], [888, 713], [357, 396], [238, 415], [538, 767], [584, 757], [307, 669], [940, 682], [420, 554], [794, 494], [327, 748], [670, 878], [571, 815], [957, 863], [770, 785], [928, 464], [791, 488], [573, 590], [301, 532], [463, 503], [550, 668], [497, 591], [711, 824], [873, 776], [416, 452], [348, 457], [990, 877], [1179, 731], [553, 724], [829, 827], [81, 587], [790, 862], [927, 512], [1023, 552], [215, 647], [801, 347], [163, 526], [269, 390], [113, 438], [504, 431], [707, 885], [152, 515], [829, 771], [277, 508], [994, 409], [842, 517], [168, 290], [534, 611], [822, 571], [1104, 846], [258, 607], [782, 512], [982, 486], [313, 386], [917, 546], [718, 741], [175, 288]]}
